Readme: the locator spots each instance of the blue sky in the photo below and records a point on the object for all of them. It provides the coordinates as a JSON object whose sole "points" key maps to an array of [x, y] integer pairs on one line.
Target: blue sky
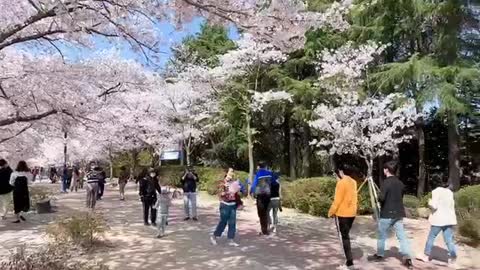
{"points": [[168, 36]]}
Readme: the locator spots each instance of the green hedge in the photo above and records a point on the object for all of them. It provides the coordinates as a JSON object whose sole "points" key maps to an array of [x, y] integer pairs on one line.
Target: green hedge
{"points": [[315, 195], [209, 177], [411, 201], [467, 202]]}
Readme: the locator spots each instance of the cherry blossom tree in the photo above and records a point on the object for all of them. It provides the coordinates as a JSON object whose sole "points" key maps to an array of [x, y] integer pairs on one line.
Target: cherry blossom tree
{"points": [[369, 129], [250, 58], [282, 23], [189, 102]]}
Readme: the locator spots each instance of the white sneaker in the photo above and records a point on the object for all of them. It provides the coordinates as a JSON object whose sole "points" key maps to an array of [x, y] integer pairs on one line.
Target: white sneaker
{"points": [[274, 230], [213, 240], [423, 258], [452, 263], [233, 243]]}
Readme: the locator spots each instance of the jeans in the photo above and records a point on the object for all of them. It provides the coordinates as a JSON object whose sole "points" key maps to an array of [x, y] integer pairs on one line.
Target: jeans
{"points": [[263, 201], [5, 200], [228, 216], [273, 212], [92, 191], [64, 185], [384, 225], [190, 204], [162, 224], [447, 237], [344, 224]]}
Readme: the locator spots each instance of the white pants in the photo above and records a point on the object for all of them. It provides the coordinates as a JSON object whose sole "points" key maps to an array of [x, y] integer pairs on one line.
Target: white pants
{"points": [[5, 200]]}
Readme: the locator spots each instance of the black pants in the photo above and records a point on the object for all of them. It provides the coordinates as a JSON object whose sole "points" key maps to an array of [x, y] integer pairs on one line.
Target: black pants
{"points": [[262, 209], [148, 206], [344, 224], [101, 189]]}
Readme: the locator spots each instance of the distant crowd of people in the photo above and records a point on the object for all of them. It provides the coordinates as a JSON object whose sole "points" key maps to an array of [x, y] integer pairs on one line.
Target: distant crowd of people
{"points": [[265, 189]]}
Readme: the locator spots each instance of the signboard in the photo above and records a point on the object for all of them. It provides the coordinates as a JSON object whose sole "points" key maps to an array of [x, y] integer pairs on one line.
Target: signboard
{"points": [[170, 155]]}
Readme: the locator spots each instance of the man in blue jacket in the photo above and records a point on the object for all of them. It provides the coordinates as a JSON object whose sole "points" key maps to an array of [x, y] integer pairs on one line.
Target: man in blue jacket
{"points": [[261, 191]]}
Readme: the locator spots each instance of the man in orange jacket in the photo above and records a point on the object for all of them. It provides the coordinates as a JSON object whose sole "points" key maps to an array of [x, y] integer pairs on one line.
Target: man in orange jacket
{"points": [[344, 208]]}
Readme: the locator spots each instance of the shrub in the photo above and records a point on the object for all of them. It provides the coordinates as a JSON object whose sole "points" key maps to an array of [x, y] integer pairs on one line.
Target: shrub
{"points": [[209, 177], [315, 195], [469, 228], [467, 202], [40, 193], [53, 257], [82, 229], [424, 200], [170, 175], [468, 198], [410, 201]]}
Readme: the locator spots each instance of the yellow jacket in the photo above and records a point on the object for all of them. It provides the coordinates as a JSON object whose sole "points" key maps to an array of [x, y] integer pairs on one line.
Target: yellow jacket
{"points": [[346, 198]]}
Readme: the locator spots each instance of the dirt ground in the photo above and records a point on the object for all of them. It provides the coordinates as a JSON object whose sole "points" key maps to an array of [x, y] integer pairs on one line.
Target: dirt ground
{"points": [[303, 242]]}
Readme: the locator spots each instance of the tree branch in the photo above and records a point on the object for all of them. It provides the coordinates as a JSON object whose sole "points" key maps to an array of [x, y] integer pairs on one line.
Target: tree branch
{"points": [[110, 90], [30, 37], [29, 118], [31, 20], [16, 134]]}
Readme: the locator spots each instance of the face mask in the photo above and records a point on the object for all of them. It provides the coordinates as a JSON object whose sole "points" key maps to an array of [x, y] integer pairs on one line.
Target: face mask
{"points": [[152, 175]]}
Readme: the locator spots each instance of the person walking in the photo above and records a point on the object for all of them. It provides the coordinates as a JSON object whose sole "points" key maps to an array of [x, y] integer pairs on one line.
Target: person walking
{"points": [[65, 179], [101, 184], [392, 212], [148, 188], [122, 181], [344, 209], [189, 183], [5, 188], [442, 219], [275, 203], [81, 178], [20, 179], [75, 180], [228, 191], [261, 191], [94, 176], [163, 206], [53, 175]]}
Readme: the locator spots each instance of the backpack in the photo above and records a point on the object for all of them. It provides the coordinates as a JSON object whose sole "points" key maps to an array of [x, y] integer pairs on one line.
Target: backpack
{"points": [[263, 186]]}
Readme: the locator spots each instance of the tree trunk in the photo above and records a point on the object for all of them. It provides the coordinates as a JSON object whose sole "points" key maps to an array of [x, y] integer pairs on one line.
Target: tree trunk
{"points": [[110, 163], [380, 170], [306, 151], [371, 188], [250, 152], [134, 156], [286, 144], [422, 180], [453, 151], [292, 153], [188, 155]]}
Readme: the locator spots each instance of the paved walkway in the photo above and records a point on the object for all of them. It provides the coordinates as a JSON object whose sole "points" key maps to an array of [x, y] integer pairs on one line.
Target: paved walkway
{"points": [[302, 243]]}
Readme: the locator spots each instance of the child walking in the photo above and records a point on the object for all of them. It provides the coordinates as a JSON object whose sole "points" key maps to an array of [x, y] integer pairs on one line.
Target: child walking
{"points": [[163, 205]]}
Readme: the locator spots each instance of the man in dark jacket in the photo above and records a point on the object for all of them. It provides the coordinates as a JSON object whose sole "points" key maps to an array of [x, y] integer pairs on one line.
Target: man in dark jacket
{"points": [[391, 214], [101, 184], [189, 183], [5, 188], [149, 187], [261, 190]]}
